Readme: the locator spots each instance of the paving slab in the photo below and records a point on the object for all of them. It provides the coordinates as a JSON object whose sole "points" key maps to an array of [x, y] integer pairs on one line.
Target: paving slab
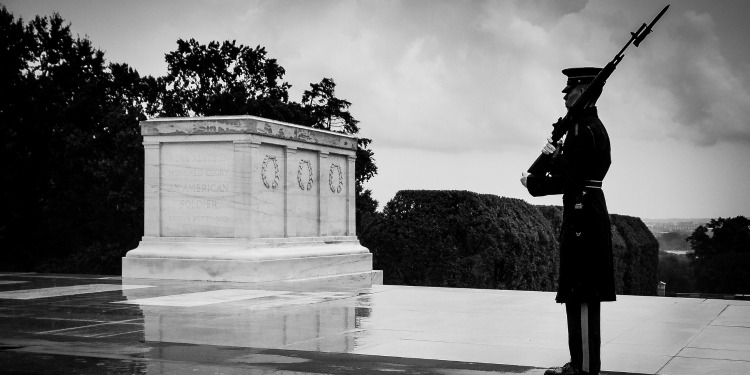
{"points": [[88, 324]]}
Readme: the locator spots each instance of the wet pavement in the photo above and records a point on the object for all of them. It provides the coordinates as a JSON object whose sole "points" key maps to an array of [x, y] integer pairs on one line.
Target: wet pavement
{"points": [[78, 324]]}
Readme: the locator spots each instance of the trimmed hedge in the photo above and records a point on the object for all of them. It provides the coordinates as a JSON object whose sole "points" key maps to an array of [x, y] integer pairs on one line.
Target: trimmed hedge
{"points": [[640, 258], [470, 240], [462, 239]]}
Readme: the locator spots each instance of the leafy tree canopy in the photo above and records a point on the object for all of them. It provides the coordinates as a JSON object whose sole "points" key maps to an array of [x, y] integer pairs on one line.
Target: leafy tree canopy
{"points": [[222, 79], [71, 147], [730, 235], [721, 255]]}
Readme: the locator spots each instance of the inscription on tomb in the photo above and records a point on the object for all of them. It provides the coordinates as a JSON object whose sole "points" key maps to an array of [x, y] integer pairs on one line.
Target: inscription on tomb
{"points": [[197, 190]]}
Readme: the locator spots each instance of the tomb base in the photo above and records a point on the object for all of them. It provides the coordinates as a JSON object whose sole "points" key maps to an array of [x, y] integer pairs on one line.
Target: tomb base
{"points": [[325, 259]]}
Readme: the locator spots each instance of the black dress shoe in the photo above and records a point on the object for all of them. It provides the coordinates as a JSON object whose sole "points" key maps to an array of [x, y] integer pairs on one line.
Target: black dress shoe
{"points": [[567, 369]]}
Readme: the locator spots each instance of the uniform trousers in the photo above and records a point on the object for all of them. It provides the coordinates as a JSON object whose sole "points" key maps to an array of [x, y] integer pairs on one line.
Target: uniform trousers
{"points": [[584, 335]]}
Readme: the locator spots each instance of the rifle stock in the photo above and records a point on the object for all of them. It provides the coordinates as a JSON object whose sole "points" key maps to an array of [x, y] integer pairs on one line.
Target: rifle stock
{"points": [[541, 165]]}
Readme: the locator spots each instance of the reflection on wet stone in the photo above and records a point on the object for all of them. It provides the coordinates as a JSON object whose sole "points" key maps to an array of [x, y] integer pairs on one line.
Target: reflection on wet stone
{"points": [[272, 320]]}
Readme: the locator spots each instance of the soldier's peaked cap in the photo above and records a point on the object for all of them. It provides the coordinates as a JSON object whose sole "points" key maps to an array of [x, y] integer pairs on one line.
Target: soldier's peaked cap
{"points": [[579, 76]]}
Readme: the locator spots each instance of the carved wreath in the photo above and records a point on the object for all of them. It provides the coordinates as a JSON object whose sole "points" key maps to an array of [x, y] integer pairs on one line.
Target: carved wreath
{"points": [[337, 188], [302, 184], [264, 172]]}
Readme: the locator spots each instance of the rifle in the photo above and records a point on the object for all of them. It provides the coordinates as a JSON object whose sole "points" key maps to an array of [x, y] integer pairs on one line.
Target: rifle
{"points": [[542, 164]]}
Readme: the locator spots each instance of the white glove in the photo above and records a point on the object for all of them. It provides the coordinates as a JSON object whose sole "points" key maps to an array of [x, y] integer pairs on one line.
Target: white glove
{"points": [[524, 176], [548, 148]]}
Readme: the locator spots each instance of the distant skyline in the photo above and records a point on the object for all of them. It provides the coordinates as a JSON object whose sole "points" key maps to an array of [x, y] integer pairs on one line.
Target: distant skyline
{"points": [[461, 95]]}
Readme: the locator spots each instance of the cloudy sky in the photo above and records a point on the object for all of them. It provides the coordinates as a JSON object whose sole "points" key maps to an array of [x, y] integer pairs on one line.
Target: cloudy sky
{"points": [[461, 94]]}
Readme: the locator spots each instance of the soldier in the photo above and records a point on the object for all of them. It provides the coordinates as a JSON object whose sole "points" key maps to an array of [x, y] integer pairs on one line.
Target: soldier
{"points": [[586, 268]]}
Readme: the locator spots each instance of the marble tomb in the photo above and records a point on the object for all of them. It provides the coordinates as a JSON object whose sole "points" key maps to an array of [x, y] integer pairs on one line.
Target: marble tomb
{"points": [[244, 198]]}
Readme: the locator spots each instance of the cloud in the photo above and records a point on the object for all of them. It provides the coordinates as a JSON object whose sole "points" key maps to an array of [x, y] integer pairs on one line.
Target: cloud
{"points": [[708, 100], [440, 75], [463, 76], [464, 79]]}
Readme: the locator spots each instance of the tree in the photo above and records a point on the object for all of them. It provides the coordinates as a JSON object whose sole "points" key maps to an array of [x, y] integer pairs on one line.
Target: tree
{"points": [[721, 255], [71, 147], [224, 79], [230, 79], [325, 111]]}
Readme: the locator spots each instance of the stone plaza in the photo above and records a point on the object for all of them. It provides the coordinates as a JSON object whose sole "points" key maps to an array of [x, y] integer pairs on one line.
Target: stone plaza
{"points": [[82, 324]]}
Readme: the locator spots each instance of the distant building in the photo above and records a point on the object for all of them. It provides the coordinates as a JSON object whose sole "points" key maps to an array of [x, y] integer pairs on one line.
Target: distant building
{"points": [[679, 252], [664, 226]]}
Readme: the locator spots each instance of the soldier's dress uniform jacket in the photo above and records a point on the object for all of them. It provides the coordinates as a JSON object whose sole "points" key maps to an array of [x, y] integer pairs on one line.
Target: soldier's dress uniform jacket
{"points": [[586, 265]]}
